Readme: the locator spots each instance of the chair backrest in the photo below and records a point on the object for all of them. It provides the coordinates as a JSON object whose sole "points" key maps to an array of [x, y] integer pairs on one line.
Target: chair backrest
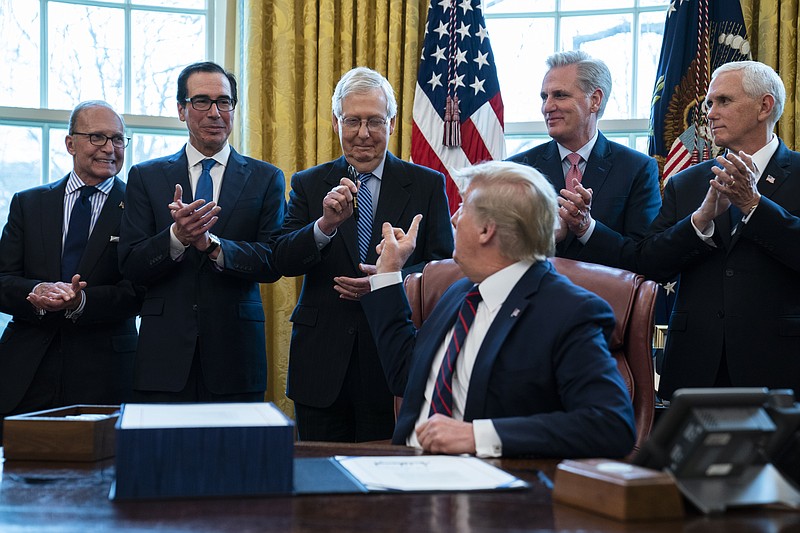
{"points": [[631, 297]]}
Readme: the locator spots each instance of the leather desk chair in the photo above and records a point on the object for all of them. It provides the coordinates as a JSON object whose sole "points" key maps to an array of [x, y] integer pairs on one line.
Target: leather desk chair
{"points": [[631, 297]]}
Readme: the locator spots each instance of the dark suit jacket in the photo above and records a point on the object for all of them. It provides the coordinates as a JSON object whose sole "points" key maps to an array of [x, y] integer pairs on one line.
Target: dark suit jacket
{"points": [[543, 375], [741, 294], [325, 327], [625, 185], [191, 297], [99, 346]]}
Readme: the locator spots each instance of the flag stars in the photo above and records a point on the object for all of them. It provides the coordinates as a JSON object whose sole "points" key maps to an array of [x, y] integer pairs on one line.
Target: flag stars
{"points": [[442, 29], [482, 33], [477, 85], [458, 81], [445, 4], [461, 56], [481, 60], [435, 81], [439, 53], [466, 5], [463, 30]]}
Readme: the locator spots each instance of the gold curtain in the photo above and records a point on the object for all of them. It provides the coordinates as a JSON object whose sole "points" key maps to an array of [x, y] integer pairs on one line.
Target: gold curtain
{"points": [[772, 30], [290, 55]]}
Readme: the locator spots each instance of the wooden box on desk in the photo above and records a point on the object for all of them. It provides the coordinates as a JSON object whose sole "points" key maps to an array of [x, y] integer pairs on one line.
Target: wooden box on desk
{"points": [[203, 450], [618, 490], [64, 434]]}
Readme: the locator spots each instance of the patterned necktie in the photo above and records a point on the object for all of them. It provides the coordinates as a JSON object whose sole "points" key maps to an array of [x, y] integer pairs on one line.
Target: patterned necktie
{"points": [[442, 401], [78, 233], [205, 187], [364, 221], [574, 172]]}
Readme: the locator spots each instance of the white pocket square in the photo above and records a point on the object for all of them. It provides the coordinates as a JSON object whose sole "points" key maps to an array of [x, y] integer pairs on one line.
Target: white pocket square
{"points": [[114, 238]]}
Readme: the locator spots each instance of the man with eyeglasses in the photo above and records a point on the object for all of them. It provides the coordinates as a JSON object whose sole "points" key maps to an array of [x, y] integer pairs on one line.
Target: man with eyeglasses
{"points": [[335, 376], [72, 338], [197, 234]]}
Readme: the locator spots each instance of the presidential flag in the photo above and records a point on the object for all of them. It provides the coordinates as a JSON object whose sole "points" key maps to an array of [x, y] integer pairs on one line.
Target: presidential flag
{"points": [[458, 110], [699, 36]]}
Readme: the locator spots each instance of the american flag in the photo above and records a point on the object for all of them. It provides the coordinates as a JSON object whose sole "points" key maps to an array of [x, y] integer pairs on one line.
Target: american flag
{"points": [[458, 110]]}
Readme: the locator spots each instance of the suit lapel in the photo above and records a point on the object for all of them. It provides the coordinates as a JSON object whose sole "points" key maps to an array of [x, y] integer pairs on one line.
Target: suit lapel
{"points": [[237, 172], [394, 198], [599, 164], [549, 164], [105, 227], [52, 227], [347, 231], [508, 316]]}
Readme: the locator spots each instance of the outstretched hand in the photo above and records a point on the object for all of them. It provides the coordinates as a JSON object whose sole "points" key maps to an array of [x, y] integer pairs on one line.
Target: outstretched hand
{"points": [[396, 246]]}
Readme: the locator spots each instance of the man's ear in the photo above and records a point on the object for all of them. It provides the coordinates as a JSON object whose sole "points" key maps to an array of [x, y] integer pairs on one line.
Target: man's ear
{"points": [[69, 141], [182, 112], [597, 100], [767, 105], [488, 231]]}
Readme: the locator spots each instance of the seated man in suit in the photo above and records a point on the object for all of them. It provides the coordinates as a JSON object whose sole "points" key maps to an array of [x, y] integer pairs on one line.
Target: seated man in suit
{"points": [[532, 374], [729, 228], [73, 335], [626, 196]]}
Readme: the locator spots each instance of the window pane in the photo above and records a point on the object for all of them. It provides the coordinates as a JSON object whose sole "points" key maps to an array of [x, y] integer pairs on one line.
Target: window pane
{"points": [[492, 7], [19, 53], [184, 4], [163, 44], [145, 146], [60, 160], [646, 3], [606, 37], [624, 140], [86, 55], [515, 145], [642, 143], [585, 5], [650, 38], [20, 163], [520, 48]]}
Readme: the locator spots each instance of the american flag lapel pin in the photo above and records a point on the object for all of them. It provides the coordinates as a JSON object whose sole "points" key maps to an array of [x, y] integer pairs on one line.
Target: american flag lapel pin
{"points": [[770, 179], [515, 313]]}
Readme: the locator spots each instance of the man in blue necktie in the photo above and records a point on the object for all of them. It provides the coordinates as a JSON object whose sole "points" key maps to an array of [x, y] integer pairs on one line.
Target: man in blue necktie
{"points": [[72, 337], [335, 377], [521, 368]]}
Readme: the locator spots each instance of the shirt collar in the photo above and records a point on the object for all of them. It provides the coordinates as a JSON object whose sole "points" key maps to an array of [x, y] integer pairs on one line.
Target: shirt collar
{"points": [[74, 183], [194, 156], [496, 288], [584, 151], [378, 171], [762, 157]]}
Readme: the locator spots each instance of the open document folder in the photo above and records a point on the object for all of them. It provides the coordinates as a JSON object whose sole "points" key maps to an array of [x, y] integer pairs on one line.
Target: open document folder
{"points": [[404, 473]]}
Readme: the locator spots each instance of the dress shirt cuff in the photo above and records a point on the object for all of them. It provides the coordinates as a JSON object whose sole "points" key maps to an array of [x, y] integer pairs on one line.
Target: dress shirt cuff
{"points": [[706, 237], [487, 441], [176, 247], [583, 239], [750, 214], [75, 314], [39, 312], [379, 281], [320, 238]]}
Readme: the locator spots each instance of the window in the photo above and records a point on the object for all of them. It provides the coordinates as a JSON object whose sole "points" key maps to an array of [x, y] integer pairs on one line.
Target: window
{"points": [[626, 34], [56, 53]]}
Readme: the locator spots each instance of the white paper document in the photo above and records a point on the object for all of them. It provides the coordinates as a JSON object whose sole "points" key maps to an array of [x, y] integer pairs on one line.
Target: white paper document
{"points": [[200, 415], [428, 473]]}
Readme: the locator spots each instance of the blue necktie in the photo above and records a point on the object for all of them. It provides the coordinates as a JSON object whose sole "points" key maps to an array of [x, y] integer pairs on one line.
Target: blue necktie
{"points": [[77, 233], [205, 187], [364, 221], [736, 217], [442, 400]]}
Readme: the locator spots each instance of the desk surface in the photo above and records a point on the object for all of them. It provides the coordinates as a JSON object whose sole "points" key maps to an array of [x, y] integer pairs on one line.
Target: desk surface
{"points": [[74, 497]]}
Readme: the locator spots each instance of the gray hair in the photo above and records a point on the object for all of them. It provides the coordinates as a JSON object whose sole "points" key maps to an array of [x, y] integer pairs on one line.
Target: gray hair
{"points": [[359, 81], [519, 201], [758, 79], [81, 107], [592, 73]]}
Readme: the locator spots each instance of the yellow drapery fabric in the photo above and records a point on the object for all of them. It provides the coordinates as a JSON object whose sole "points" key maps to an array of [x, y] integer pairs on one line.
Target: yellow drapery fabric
{"points": [[290, 55], [772, 27]]}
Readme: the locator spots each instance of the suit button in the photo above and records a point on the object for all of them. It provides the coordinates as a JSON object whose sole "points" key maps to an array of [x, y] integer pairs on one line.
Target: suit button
{"points": [[351, 331], [729, 272], [194, 308], [720, 314]]}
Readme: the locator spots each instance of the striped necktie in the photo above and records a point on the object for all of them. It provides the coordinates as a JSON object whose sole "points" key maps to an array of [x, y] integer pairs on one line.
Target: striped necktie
{"points": [[364, 221]]}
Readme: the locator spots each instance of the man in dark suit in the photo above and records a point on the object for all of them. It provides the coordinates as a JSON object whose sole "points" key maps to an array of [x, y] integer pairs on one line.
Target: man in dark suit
{"points": [[335, 377], [626, 194], [73, 336], [735, 320], [202, 330], [521, 365]]}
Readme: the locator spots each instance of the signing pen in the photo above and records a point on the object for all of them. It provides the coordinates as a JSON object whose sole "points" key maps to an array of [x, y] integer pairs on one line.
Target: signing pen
{"points": [[353, 175]]}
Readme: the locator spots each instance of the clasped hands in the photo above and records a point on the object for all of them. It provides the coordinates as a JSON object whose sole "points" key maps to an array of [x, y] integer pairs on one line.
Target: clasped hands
{"points": [[58, 295], [575, 211], [734, 183], [193, 221]]}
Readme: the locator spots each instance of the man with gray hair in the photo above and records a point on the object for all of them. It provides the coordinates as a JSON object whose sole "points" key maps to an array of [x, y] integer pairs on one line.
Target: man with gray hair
{"points": [[514, 358], [735, 319], [625, 184], [335, 377]]}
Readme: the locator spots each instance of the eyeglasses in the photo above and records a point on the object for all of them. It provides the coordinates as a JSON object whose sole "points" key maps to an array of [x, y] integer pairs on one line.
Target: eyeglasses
{"points": [[374, 125], [98, 139], [203, 103]]}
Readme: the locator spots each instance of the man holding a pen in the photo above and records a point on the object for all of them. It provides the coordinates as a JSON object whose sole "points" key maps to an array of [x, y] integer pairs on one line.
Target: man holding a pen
{"points": [[335, 376]]}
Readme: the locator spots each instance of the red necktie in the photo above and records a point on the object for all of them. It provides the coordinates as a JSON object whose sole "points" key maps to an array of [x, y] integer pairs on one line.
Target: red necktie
{"points": [[574, 172], [442, 401]]}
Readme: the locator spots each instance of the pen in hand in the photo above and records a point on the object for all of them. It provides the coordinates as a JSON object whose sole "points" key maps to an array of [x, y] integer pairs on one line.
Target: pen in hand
{"points": [[353, 175]]}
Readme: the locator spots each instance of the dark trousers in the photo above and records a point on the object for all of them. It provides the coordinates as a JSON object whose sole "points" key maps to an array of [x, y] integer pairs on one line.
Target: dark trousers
{"points": [[354, 416]]}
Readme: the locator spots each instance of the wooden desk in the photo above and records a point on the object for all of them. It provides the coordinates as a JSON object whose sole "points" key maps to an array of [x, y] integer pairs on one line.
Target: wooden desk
{"points": [[74, 497]]}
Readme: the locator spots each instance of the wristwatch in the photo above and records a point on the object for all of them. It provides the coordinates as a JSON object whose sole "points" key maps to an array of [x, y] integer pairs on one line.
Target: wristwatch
{"points": [[213, 245]]}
